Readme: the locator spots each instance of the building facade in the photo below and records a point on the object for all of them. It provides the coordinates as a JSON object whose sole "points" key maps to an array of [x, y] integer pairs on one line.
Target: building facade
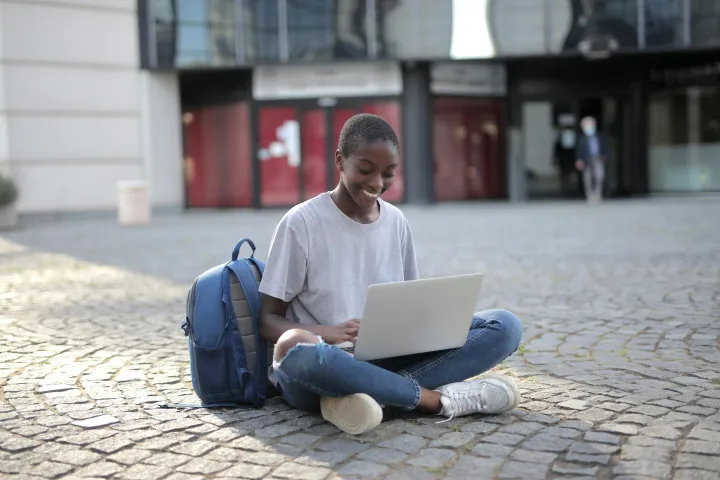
{"points": [[239, 103]]}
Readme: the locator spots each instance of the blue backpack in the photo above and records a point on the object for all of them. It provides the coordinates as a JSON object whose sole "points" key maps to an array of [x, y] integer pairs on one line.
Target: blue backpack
{"points": [[228, 358]]}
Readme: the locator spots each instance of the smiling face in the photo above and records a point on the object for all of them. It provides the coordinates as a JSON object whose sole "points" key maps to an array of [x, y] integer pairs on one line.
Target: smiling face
{"points": [[368, 171]]}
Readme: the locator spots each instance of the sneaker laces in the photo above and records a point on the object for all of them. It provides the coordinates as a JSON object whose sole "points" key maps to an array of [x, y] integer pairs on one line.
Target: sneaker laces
{"points": [[463, 403]]}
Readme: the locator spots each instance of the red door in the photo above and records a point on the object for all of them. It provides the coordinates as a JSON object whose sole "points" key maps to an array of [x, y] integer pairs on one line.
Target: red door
{"points": [[218, 171], [390, 111], [279, 156], [493, 152], [238, 176], [449, 139], [476, 161], [314, 154], [293, 150], [469, 160], [339, 117]]}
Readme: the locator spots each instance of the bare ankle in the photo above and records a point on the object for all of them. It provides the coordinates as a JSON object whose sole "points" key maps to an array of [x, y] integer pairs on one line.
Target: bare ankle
{"points": [[429, 401]]}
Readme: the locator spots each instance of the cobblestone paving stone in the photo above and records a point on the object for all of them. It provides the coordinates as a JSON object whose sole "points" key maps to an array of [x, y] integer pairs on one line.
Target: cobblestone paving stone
{"points": [[619, 367]]}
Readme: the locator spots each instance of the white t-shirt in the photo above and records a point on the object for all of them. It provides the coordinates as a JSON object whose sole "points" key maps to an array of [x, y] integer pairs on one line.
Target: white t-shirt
{"points": [[322, 262]]}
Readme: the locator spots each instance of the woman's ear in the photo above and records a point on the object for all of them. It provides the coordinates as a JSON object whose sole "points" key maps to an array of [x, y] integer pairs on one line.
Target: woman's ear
{"points": [[339, 160]]}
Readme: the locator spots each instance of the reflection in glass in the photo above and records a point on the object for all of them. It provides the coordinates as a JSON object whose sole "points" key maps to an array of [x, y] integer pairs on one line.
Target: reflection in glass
{"points": [[601, 23], [310, 29], [518, 26], [193, 32], [162, 15], [488, 28], [684, 139], [260, 30], [705, 22], [326, 29], [663, 23], [415, 28]]}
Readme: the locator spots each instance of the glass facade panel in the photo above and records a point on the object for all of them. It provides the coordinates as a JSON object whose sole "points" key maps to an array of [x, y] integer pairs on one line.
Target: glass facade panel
{"points": [[597, 24], [414, 28], [704, 22], [684, 139], [186, 33], [517, 27], [162, 17], [260, 31], [193, 32], [664, 23], [326, 29]]}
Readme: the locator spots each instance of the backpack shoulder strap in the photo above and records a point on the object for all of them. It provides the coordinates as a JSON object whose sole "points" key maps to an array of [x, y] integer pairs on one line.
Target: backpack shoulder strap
{"points": [[244, 274], [243, 271]]}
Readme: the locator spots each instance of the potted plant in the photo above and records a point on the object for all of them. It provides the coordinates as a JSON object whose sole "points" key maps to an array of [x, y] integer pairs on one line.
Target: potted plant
{"points": [[8, 197]]}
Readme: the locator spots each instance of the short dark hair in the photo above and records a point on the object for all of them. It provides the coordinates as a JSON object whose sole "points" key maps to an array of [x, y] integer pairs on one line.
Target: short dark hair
{"points": [[365, 128]]}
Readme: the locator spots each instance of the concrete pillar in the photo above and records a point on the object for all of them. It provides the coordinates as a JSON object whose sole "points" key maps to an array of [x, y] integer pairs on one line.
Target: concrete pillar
{"points": [[417, 145], [161, 132], [516, 180]]}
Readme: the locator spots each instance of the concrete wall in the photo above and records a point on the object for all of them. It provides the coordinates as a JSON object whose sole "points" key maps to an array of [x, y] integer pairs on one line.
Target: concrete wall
{"points": [[74, 113]]}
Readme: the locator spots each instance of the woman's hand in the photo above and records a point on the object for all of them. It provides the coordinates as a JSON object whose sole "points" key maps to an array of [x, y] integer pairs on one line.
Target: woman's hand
{"points": [[345, 332]]}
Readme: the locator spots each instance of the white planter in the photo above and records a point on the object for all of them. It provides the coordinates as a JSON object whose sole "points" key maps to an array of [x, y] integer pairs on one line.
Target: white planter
{"points": [[8, 217], [133, 203]]}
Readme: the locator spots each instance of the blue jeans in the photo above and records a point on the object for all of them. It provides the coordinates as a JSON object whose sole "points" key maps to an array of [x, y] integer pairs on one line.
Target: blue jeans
{"points": [[308, 372]]}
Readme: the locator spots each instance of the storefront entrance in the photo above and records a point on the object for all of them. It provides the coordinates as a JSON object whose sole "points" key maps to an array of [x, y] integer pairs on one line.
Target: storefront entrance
{"points": [[549, 97], [296, 144], [550, 133]]}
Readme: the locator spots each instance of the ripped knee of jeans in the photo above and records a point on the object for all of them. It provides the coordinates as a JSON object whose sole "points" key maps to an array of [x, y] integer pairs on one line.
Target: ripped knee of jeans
{"points": [[299, 340]]}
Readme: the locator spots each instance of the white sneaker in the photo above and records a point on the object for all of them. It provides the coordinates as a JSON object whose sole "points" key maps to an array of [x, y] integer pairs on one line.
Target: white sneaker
{"points": [[490, 395], [353, 414]]}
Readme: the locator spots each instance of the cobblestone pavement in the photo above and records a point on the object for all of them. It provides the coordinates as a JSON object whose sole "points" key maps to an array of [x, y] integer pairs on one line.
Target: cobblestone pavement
{"points": [[619, 368]]}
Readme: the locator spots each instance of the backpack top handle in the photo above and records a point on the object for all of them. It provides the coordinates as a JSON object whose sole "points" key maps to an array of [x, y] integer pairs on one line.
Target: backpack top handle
{"points": [[236, 250]]}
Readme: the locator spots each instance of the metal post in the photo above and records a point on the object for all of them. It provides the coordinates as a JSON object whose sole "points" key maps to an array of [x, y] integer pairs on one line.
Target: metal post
{"points": [[239, 32], [641, 24], [371, 28], [686, 19], [547, 17], [152, 34], [283, 47]]}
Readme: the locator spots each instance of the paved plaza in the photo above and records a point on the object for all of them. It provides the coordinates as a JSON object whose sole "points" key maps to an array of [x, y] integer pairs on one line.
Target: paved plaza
{"points": [[619, 366]]}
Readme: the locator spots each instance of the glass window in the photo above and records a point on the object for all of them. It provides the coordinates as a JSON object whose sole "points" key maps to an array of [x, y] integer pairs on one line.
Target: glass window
{"points": [[663, 23], [192, 42], [162, 15], [310, 29], [596, 24], [192, 11], [414, 28], [260, 30], [194, 32], [705, 22], [518, 26], [326, 29], [459, 29], [684, 139]]}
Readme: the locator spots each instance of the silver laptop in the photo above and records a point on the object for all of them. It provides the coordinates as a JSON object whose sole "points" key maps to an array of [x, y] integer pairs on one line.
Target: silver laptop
{"points": [[403, 318]]}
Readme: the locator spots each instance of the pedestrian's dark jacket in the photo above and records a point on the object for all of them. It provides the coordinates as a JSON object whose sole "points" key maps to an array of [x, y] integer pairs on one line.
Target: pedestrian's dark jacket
{"points": [[582, 148]]}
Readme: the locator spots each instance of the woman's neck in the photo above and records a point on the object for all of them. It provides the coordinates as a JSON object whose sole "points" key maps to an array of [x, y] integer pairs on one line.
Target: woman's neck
{"points": [[347, 205]]}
